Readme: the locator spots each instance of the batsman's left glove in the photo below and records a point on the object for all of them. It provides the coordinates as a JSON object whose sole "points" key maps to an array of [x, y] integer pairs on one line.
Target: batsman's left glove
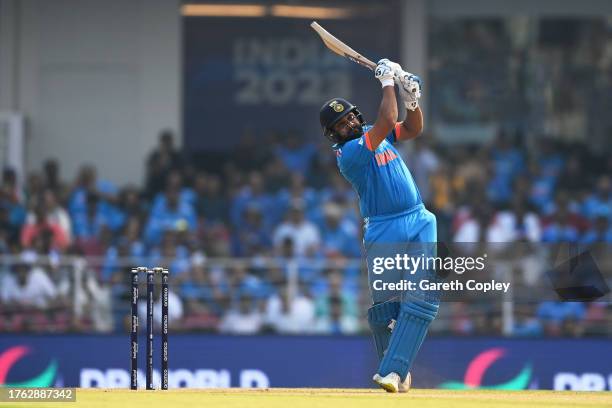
{"points": [[409, 86]]}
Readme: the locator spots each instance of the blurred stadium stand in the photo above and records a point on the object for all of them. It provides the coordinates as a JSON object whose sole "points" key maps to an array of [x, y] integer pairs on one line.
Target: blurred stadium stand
{"points": [[275, 251]]}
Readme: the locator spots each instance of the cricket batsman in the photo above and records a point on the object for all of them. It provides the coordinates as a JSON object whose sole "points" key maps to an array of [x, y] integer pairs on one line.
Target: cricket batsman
{"points": [[392, 209]]}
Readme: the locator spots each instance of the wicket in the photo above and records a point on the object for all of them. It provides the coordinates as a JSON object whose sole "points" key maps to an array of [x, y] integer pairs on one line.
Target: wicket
{"points": [[164, 328], [150, 273]]}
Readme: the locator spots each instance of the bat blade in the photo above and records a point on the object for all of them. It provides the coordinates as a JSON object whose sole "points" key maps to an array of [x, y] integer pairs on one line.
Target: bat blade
{"points": [[341, 48]]}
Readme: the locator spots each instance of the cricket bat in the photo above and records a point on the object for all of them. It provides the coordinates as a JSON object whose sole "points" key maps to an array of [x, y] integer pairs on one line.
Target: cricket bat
{"points": [[341, 48]]}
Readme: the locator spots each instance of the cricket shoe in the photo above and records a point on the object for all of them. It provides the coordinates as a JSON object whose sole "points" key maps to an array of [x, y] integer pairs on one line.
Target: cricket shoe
{"points": [[393, 383], [390, 382], [405, 386]]}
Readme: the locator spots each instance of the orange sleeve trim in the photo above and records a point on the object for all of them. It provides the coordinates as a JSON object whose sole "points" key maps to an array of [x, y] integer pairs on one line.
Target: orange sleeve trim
{"points": [[367, 141], [398, 130]]}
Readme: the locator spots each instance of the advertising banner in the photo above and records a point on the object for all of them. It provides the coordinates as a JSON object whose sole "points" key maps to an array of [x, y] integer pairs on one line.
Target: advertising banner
{"points": [[260, 75], [204, 361]]}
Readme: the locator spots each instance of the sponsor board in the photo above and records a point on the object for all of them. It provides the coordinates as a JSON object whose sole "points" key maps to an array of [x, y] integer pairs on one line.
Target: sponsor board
{"points": [[205, 361]]}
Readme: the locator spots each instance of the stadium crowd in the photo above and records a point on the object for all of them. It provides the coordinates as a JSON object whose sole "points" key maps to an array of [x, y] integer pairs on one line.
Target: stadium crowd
{"points": [[290, 207], [277, 210]]}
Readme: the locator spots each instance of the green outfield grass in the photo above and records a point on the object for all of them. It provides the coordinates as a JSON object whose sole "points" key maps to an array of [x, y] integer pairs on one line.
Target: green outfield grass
{"points": [[325, 398]]}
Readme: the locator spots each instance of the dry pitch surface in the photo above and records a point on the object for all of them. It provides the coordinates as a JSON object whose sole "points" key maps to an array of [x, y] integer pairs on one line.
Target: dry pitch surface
{"points": [[325, 398]]}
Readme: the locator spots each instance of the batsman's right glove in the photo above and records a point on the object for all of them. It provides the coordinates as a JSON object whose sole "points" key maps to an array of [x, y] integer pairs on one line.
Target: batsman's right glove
{"points": [[384, 72]]}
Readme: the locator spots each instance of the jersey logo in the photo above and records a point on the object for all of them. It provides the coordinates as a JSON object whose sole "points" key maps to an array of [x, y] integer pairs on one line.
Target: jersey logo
{"points": [[360, 141], [385, 157]]}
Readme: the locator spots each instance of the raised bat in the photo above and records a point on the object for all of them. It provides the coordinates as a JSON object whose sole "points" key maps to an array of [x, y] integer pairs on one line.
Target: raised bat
{"points": [[341, 48]]}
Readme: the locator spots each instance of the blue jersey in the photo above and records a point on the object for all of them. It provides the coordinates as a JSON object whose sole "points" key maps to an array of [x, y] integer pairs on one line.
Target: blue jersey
{"points": [[380, 177]]}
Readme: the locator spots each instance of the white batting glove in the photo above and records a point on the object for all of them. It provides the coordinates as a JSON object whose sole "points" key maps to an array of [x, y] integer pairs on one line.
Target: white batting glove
{"points": [[384, 72], [397, 68], [409, 86]]}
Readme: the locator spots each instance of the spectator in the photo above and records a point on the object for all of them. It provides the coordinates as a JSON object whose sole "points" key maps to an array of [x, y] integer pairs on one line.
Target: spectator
{"points": [[338, 191], [303, 233], [596, 318], [508, 162], [34, 188], [252, 238], [290, 315], [572, 178], [253, 194], [172, 254], [210, 204], [5, 233], [52, 180], [175, 308], [10, 186], [476, 225], [243, 319], [517, 224], [171, 214], [56, 214], [29, 285], [460, 322], [89, 224], [10, 230], [87, 184], [600, 202], [322, 166], [551, 161], [297, 191], [526, 325], [289, 263], [336, 322], [39, 223], [441, 184], [562, 318], [276, 175], [160, 162], [128, 247], [337, 234], [564, 205], [600, 232], [174, 182], [90, 302], [469, 167], [561, 227], [202, 296], [242, 282], [423, 163], [10, 200], [542, 187], [295, 154], [253, 150], [336, 289], [131, 204]]}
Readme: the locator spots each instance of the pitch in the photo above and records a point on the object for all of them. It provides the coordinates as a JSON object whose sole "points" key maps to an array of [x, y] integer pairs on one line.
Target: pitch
{"points": [[324, 398]]}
